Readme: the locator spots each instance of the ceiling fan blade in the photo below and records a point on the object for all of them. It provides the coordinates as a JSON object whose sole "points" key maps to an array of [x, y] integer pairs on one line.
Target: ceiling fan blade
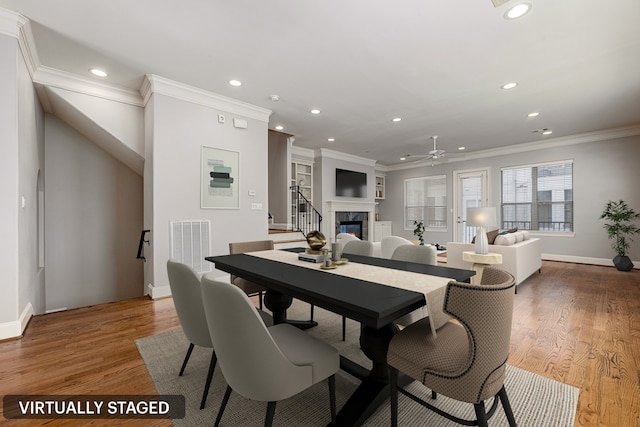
{"points": [[497, 3]]}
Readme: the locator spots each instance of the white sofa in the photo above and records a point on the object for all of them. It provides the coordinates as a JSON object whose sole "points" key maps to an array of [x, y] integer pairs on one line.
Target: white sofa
{"points": [[521, 259]]}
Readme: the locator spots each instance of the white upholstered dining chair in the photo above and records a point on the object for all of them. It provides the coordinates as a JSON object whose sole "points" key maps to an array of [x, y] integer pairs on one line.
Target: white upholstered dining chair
{"points": [[263, 363], [187, 298], [416, 253], [389, 244]]}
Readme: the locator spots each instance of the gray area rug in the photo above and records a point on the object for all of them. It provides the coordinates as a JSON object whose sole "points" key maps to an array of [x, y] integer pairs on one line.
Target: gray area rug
{"points": [[536, 401]]}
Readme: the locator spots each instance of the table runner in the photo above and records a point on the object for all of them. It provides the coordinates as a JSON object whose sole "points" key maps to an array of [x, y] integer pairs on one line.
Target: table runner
{"points": [[433, 287]]}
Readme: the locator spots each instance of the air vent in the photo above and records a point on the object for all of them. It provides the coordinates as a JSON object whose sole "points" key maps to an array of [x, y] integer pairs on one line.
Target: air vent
{"points": [[190, 242]]}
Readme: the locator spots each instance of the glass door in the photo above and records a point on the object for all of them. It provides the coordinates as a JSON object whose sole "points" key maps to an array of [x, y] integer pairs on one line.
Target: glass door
{"points": [[471, 191]]}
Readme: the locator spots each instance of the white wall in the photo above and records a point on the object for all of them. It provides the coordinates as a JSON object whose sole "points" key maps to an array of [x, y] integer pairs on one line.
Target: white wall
{"points": [[31, 156], [603, 170], [9, 188], [176, 131], [21, 142], [324, 184], [93, 219]]}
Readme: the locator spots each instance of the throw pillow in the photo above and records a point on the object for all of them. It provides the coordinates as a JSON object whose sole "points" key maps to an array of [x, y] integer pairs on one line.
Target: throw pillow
{"points": [[491, 236], [505, 240]]}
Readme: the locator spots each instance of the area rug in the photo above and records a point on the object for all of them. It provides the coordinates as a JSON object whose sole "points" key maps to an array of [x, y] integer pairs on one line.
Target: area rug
{"points": [[536, 401]]}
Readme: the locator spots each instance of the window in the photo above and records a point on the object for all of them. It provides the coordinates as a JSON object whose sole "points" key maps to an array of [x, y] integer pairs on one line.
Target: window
{"points": [[539, 197], [425, 199]]}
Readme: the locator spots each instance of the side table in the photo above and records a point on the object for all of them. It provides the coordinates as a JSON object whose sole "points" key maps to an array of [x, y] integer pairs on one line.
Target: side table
{"points": [[480, 261]]}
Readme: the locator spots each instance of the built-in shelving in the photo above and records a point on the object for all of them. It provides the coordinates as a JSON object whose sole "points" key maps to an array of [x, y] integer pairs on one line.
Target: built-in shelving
{"points": [[380, 190]]}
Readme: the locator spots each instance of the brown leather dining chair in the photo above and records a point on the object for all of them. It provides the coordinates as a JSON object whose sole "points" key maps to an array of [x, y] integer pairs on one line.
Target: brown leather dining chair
{"points": [[251, 288], [248, 287]]}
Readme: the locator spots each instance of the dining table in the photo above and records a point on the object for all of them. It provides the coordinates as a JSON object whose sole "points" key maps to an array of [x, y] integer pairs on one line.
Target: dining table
{"points": [[373, 291]]}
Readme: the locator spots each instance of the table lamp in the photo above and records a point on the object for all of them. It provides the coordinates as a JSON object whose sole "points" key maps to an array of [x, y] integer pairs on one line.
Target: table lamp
{"points": [[481, 218]]}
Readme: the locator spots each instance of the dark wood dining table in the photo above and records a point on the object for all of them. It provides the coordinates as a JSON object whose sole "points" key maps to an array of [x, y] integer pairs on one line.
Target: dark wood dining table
{"points": [[374, 305]]}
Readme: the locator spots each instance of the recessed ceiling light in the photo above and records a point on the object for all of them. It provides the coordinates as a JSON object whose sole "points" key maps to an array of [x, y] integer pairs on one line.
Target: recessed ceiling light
{"points": [[98, 72], [396, 119], [315, 111], [235, 83], [509, 85], [331, 139], [517, 11], [279, 127], [403, 158], [462, 148], [274, 98], [534, 114], [547, 132]]}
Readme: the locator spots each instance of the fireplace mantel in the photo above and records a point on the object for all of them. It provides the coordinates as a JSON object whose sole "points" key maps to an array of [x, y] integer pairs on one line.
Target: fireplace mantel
{"points": [[333, 206]]}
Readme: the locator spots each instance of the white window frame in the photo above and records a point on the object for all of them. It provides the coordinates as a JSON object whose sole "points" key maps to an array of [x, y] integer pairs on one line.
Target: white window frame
{"points": [[444, 219], [535, 201]]}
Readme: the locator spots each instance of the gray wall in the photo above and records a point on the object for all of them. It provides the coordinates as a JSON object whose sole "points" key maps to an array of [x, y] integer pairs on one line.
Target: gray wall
{"points": [[603, 170], [93, 221]]}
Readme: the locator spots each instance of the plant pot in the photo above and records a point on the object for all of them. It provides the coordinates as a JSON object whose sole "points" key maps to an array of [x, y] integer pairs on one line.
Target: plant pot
{"points": [[622, 263]]}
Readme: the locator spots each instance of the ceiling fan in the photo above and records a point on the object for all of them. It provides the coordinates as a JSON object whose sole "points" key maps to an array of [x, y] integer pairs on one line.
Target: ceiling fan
{"points": [[434, 154]]}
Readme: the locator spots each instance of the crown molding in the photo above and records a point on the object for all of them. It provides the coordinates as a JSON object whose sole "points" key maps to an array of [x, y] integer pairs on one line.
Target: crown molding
{"points": [[52, 77], [13, 24], [337, 155], [302, 154], [156, 84], [583, 138]]}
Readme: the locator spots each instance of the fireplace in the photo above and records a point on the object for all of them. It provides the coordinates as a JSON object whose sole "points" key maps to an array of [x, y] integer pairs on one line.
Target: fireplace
{"points": [[338, 212], [351, 227], [353, 222]]}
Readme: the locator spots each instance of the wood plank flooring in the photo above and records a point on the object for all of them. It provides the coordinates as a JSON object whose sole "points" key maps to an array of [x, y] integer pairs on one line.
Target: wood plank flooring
{"points": [[578, 324]]}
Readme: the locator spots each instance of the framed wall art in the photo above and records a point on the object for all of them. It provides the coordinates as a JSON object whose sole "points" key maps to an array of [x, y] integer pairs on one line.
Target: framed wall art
{"points": [[220, 179]]}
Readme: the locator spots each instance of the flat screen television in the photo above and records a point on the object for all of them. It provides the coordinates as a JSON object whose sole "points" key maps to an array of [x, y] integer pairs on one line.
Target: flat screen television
{"points": [[351, 183]]}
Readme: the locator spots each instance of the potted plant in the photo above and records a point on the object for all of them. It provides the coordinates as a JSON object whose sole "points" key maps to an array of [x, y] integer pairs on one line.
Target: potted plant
{"points": [[419, 231], [620, 227]]}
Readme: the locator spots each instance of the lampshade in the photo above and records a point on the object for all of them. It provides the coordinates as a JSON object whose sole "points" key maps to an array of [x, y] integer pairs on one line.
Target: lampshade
{"points": [[481, 217]]}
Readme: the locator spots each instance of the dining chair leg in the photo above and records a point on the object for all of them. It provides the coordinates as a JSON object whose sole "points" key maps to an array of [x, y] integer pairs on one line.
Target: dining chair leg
{"points": [[186, 358], [481, 414], [271, 410], [507, 407], [312, 307], [393, 395], [332, 398], [212, 366], [260, 299], [344, 328], [223, 405]]}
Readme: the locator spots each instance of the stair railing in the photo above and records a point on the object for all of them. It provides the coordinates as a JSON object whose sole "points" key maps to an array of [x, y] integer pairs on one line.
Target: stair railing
{"points": [[306, 218], [142, 241]]}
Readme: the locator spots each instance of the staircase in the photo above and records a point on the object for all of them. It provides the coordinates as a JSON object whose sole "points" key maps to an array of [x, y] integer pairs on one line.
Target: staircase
{"points": [[283, 239]]}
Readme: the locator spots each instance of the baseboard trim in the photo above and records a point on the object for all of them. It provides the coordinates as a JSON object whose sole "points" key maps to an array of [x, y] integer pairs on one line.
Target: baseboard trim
{"points": [[156, 292], [584, 260], [15, 328]]}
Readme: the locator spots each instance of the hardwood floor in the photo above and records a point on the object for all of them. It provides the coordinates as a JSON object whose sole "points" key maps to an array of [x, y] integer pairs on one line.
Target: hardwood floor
{"points": [[578, 324]]}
